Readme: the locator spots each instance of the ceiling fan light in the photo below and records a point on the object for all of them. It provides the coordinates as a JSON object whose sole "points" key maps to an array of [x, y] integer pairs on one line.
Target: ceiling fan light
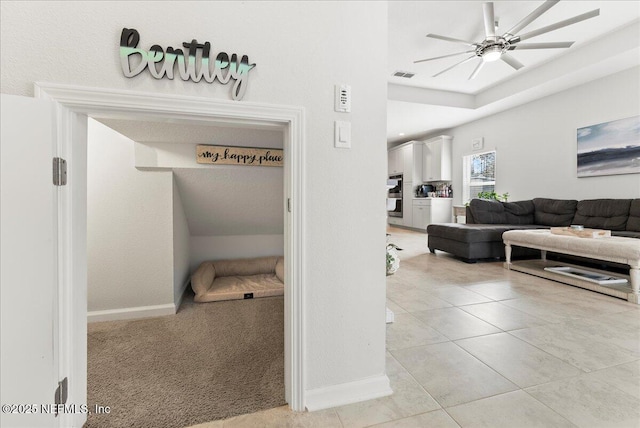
{"points": [[492, 53]]}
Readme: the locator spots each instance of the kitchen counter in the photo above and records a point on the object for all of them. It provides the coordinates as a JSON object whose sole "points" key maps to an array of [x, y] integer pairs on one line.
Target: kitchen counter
{"points": [[427, 197]]}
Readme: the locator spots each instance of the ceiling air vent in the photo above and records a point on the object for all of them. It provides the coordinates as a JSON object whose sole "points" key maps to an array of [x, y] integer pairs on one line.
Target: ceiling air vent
{"points": [[405, 74]]}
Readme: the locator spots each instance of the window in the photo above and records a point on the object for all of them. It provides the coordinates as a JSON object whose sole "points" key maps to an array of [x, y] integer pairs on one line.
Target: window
{"points": [[478, 174]]}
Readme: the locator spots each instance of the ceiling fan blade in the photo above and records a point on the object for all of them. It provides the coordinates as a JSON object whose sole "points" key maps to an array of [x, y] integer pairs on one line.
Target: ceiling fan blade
{"points": [[489, 19], [531, 17], [451, 39], [454, 65], [551, 45], [558, 25], [511, 61], [443, 56], [477, 70]]}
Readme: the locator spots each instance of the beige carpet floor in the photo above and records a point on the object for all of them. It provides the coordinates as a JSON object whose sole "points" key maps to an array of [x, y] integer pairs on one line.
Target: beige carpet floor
{"points": [[209, 361]]}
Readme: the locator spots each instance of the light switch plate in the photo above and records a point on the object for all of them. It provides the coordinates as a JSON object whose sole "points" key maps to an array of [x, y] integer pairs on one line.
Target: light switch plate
{"points": [[342, 134]]}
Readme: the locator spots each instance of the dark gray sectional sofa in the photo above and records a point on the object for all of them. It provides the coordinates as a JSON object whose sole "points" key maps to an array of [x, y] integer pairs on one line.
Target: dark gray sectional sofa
{"points": [[487, 220]]}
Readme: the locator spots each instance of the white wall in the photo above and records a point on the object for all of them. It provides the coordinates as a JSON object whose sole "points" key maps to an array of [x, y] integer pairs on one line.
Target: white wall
{"points": [[536, 142], [129, 227], [301, 50], [181, 251], [232, 200], [232, 211]]}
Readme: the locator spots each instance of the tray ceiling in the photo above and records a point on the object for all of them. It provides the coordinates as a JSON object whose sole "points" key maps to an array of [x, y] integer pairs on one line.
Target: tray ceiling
{"points": [[410, 21]]}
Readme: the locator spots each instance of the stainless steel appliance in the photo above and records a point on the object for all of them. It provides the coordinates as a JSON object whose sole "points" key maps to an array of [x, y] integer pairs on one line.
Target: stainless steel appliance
{"points": [[394, 198]]}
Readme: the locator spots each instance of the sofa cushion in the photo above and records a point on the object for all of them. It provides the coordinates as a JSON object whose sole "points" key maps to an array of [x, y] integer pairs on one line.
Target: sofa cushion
{"points": [[633, 223], [487, 211], [554, 212], [472, 233], [608, 214], [520, 212]]}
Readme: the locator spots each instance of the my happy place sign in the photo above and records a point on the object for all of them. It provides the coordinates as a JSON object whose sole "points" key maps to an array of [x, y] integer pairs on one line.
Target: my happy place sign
{"points": [[248, 156], [193, 63]]}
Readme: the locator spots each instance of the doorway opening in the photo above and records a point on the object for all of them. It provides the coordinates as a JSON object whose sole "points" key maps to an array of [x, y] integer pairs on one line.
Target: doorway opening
{"points": [[154, 215], [73, 105]]}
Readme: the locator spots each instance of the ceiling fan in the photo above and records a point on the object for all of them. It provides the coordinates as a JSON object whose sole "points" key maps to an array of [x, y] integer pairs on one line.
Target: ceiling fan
{"points": [[495, 47]]}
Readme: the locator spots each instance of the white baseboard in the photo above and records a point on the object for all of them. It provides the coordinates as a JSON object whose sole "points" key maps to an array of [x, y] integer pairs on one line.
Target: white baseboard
{"points": [[347, 393], [131, 313]]}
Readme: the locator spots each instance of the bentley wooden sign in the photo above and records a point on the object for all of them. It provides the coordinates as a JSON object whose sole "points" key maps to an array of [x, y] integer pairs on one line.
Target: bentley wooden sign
{"points": [[222, 155], [194, 62]]}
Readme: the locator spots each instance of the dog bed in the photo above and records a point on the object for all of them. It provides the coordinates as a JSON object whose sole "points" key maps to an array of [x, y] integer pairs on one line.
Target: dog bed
{"points": [[238, 279]]}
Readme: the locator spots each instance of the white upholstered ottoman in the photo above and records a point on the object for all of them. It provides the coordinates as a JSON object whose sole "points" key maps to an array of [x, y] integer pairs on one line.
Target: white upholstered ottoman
{"points": [[612, 249]]}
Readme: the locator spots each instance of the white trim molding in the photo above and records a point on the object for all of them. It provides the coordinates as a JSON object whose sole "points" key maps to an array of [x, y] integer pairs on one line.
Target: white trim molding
{"points": [[131, 313], [75, 103], [347, 393]]}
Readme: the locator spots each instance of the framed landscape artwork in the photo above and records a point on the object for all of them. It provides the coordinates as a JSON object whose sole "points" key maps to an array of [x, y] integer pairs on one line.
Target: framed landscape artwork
{"points": [[609, 148]]}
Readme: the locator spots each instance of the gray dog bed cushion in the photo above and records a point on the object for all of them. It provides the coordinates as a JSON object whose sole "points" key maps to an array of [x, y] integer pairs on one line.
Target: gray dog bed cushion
{"points": [[238, 279]]}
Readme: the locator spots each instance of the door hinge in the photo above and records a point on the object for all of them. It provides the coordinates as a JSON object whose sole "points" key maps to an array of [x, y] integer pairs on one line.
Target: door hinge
{"points": [[61, 393], [289, 204], [59, 172]]}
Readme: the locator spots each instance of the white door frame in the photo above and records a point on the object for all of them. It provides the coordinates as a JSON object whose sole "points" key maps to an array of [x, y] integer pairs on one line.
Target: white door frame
{"points": [[73, 105]]}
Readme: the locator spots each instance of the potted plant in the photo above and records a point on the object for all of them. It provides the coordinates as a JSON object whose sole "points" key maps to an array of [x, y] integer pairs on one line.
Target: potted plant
{"points": [[393, 259], [494, 196]]}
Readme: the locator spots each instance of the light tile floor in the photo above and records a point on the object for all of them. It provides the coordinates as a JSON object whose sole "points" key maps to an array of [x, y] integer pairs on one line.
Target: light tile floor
{"points": [[475, 345]]}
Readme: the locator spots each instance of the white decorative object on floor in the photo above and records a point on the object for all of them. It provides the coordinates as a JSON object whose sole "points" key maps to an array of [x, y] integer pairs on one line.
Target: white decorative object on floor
{"points": [[598, 278], [393, 259], [390, 316]]}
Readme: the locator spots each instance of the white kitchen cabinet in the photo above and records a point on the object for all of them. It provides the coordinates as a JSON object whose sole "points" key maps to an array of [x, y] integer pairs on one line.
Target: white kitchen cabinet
{"points": [[395, 161], [412, 156], [396, 221], [421, 216], [436, 159], [407, 160], [407, 199], [392, 157], [426, 211], [417, 147], [441, 210]]}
